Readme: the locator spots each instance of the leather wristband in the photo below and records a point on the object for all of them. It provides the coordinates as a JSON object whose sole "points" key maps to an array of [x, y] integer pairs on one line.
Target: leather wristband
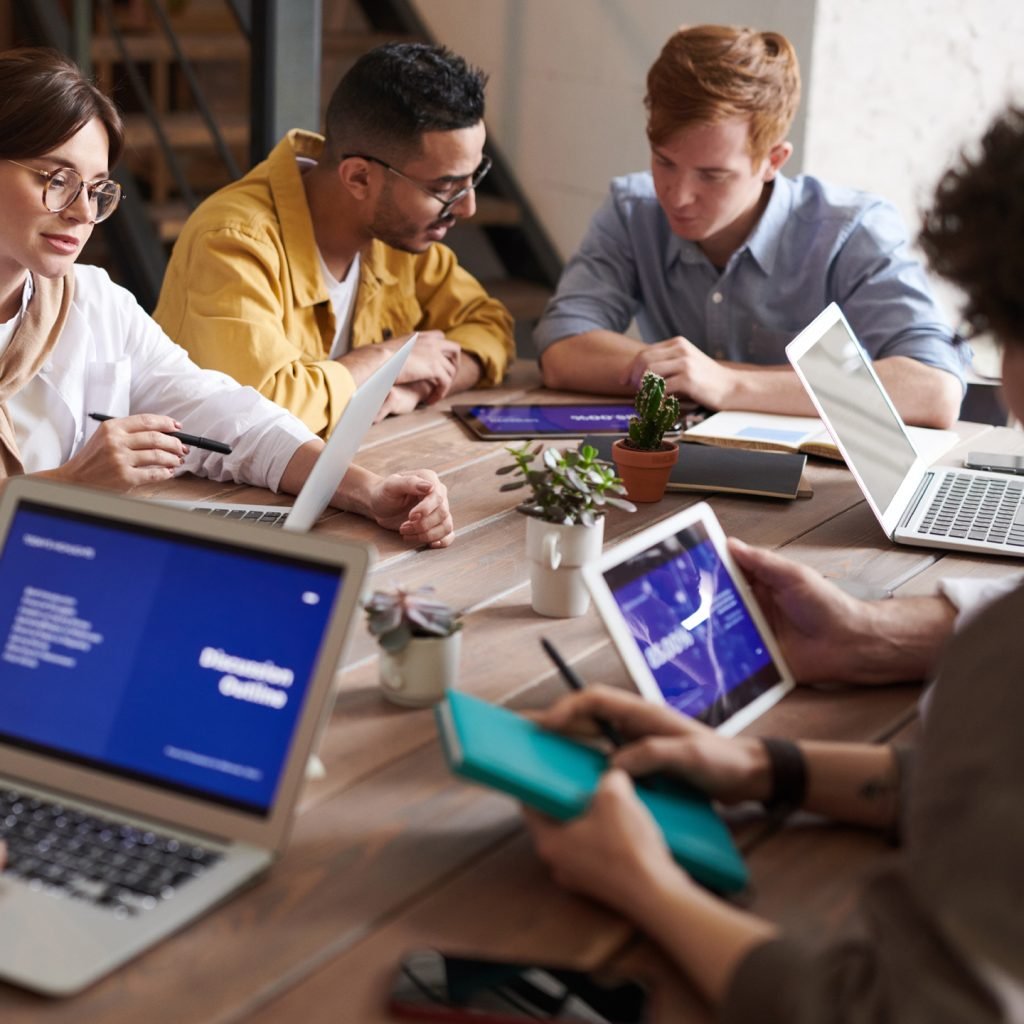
{"points": [[789, 775]]}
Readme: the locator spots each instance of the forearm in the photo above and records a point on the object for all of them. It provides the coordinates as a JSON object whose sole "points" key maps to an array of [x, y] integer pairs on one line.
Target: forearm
{"points": [[924, 395], [774, 389], [706, 937], [596, 361], [353, 495], [855, 783], [900, 640], [468, 374]]}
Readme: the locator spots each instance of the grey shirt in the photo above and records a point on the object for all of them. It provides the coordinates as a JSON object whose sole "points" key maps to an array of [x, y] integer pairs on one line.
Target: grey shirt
{"points": [[940, 934], [814, 244]]}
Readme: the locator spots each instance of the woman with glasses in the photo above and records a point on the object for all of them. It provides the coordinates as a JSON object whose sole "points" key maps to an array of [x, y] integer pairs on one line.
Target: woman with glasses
{"points": [[74, 344]]}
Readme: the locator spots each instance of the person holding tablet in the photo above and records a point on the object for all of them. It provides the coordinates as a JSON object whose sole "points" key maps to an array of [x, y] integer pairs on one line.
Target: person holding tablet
{"points": [[723, 260], [73, 343], [940, 937]]}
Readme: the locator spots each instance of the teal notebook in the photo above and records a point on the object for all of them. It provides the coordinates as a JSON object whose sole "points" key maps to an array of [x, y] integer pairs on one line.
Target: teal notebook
{"points": [[557, 775]]}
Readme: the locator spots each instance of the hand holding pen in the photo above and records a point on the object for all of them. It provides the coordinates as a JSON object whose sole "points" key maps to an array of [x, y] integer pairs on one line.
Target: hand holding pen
{"points": [[190, 439], [126, 452]]}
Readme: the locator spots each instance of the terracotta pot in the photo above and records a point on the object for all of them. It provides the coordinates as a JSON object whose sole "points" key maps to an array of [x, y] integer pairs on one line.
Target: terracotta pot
{"points": [[645, 474], [557, 554], [418, 674]]}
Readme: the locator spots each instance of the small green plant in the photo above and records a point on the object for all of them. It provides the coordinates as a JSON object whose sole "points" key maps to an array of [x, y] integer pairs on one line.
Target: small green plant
{"points": [[567, 487], [655, 413], [395, 616]]}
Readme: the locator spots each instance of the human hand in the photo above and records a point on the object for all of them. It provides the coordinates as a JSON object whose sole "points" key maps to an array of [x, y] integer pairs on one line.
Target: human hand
{"points": [[125, 453], [822, 630], [415, 503], [434, 361], [403, 398], [687, 370], [614, 852], [660, 739]]}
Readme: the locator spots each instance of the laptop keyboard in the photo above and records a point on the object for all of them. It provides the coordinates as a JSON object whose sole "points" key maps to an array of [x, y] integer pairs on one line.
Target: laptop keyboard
{"points": [[234, 512], [967, 507], [73, 853]]}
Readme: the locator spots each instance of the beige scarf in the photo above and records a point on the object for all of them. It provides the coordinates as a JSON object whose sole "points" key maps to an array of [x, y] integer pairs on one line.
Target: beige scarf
{"points": [[33, 340]]}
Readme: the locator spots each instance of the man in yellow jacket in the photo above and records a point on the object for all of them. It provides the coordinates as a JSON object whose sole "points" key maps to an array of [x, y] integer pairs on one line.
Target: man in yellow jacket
{"points": [[302, 277]]}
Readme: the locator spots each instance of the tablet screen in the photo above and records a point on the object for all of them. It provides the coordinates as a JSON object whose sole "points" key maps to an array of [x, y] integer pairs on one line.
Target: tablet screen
{"points": [[513, 421], [690, 625]]}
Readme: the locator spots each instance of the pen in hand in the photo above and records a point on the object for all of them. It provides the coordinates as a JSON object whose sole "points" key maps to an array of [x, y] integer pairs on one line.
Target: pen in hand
{"points": [[190, 439], [611, 734], [656, 780]]}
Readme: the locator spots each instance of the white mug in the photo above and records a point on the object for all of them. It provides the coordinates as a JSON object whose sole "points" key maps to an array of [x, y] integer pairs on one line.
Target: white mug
{"points": [[557, 553]]}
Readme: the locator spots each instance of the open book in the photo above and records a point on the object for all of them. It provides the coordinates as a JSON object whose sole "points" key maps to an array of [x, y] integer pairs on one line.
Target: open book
{"points": [[807, 434]]}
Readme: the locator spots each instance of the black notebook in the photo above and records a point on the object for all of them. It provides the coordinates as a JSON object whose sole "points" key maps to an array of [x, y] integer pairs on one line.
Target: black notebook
{"points": [[729, 470]]}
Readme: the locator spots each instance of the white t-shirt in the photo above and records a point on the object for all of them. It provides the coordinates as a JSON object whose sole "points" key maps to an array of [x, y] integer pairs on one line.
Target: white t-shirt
{"points": [[343, 300]]}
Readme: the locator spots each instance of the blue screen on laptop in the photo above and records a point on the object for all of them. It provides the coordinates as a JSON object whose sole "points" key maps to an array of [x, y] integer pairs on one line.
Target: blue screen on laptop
{"points": [[691, 627], [174, 660]]}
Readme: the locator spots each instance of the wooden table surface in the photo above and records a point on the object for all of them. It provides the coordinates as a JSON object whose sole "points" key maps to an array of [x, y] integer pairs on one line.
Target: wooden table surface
{"points": [[390, 852]]}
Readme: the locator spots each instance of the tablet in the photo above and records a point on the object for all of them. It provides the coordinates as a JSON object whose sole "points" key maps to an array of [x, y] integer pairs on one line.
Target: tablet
{"points": [[508, 422], [685, 623]]}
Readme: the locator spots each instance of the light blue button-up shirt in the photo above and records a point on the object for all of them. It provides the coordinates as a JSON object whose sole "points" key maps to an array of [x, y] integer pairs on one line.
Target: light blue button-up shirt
{"points": [[813, 245]]}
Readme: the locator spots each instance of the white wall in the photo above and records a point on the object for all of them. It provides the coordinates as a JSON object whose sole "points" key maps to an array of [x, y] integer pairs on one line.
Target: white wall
{"points": [[899, 88], [565, 100]]}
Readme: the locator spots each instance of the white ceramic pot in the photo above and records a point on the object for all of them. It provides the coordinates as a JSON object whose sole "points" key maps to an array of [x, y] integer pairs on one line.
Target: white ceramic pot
{"points": [[557, 554], [418, 674]]}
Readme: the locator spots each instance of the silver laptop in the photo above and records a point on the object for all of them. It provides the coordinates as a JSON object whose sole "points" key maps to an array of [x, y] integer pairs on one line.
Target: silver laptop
{"points": [[936, 507], [332, 465], [164, 680]]}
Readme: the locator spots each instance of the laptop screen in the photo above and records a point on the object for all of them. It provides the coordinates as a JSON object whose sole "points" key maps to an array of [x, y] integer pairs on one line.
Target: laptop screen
{"points": [[178, 661], [859, 414]]}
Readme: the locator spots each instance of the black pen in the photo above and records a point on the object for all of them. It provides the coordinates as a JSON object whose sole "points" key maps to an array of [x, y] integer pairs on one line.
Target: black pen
{"points": [[190, 439], [611, 734]]}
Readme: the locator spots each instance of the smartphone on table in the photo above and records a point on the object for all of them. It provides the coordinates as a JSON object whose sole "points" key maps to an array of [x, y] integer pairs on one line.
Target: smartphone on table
{"points": [[997, 462], [431, 985]]}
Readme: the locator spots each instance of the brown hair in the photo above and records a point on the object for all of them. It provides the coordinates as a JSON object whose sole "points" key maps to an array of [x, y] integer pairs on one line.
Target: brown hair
{"points": [[709, 73], [45, 99], [974, 233]]}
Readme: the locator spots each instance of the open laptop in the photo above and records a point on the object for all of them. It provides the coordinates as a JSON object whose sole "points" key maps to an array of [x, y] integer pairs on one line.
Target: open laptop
{"points": [[332, 465], [930, 506], [685, 623], [164, 680]]}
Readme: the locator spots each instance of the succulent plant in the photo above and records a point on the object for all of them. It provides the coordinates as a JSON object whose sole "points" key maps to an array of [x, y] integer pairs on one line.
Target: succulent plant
{"points": [[395, 616], [655, 413], [567, 487]]}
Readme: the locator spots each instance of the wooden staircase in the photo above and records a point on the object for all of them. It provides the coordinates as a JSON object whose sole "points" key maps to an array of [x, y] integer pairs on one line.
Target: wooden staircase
{"points": [[494, 246]]}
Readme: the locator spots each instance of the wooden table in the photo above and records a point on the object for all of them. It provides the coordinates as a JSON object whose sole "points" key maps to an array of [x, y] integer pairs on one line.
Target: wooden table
{"points": [[390, 852]]}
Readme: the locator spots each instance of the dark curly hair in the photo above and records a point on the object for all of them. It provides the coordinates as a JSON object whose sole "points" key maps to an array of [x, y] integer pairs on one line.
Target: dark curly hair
{"points": [[974, 233], [395, 93]]}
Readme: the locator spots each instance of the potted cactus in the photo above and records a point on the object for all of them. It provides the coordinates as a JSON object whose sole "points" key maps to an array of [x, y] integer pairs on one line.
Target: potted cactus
{"points": [[419, 639], [570, 493], [645, 459]]}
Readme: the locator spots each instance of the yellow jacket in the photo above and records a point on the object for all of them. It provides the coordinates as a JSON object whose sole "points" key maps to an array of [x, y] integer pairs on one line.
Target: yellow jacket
{"points": [[244, 294]]}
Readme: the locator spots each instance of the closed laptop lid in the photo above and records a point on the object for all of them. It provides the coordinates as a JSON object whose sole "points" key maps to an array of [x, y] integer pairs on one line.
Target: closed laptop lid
{"points": [[163, 663], [865, 425]]}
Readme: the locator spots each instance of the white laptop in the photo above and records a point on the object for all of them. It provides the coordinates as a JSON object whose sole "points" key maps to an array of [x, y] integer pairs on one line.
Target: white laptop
{"points": [[332, 465], [164, 679], [685, 623], [931, 506]]}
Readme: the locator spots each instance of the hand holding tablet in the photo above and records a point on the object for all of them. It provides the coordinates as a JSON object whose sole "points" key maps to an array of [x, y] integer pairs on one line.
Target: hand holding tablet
{"points": [[686, 624]]}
